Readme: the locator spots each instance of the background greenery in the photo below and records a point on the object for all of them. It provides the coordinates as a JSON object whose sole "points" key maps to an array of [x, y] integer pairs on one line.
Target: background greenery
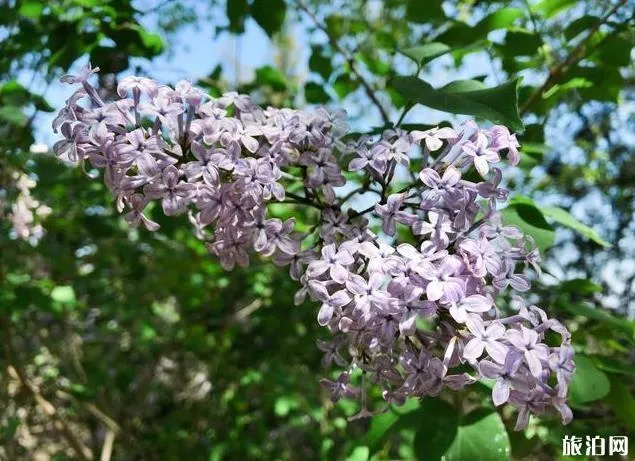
{"points": [[117, 338]]}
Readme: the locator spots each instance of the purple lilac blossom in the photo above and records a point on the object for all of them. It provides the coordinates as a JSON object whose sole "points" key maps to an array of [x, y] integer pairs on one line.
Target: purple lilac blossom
{"points": [[407, 314]]}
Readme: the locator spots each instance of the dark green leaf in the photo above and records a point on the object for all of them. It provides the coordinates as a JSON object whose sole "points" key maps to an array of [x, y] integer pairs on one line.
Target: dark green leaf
{"points": [[566, 219], [621, 401], [498, 104], [344, 86], [314, 93], [13, 115], [269, 14], [520, 42], [423, 11], [601, 315], [615, 51], [425, 53], [319, 63], [382, 424], [524, 214], [580, 287], [436, 429], [268, 75], [580, 25], [481, 436], [549, 8], [588, 383], [499, 19], [237, 12]]}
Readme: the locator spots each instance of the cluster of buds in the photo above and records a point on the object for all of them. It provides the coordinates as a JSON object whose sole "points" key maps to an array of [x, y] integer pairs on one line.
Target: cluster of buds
{"points": [[26, 213], [414, 317]]}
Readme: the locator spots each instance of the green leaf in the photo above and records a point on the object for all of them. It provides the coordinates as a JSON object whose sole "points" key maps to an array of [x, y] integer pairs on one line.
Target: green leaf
{"points": [[580, 287], [284, 404], [520, 42], [319, 63], [499, 19], [63, 294], [344, 86], [549, 8], [382, 424], [269, 14], [615, 51], [268, 75], [566, 219], [359, 454], [621, 401], [31, 9], [13, 115], [237, 12], [588, 383], [423, 54], [481, 436], [314, 93], [498, 104], [580, 25], [437, 428], [601, 315], [153, 43], [424, 11], [524, 214]]}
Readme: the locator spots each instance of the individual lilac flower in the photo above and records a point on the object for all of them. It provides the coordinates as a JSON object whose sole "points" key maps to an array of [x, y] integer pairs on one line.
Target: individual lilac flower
{"points": [[137, 85], [527, 403], [503, 374], [489, 189], [162, 108], [68, 148], [231, 250], [333, 261], [559, 402], [367, 158], [481, 153], [502, 139], [172, 191], [526, 341], [237, 135], [443, 282], [482, 256], [208, 163], [485, 338], [437, 184], [367, 293], [296, 261], [331, 351], [438, 227], [138, 202], [339, 388], [562, 363], [476, 304], [391, 212], [433, 138], [329, 302], [505, 277], [396, 151]]}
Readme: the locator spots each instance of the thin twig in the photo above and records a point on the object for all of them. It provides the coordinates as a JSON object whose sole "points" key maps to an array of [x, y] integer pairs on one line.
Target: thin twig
{"points": [[350, 60], [81, 450], [555, 73], [106, 450]]}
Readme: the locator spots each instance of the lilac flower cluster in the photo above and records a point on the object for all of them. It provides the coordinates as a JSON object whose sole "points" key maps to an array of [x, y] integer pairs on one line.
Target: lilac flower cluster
{"points": [[413, 317]]}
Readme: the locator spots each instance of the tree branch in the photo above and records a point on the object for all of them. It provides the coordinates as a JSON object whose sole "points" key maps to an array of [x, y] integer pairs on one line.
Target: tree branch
{"points": [[577, 54], [350, 60], [81, 451]]}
